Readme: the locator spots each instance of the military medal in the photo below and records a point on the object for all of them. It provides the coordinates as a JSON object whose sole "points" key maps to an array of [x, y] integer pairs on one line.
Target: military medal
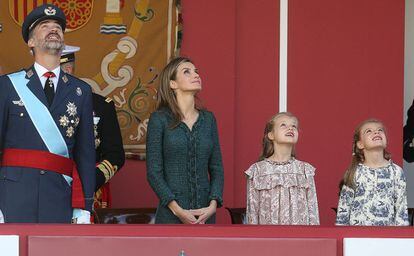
{"points": [[64, 121], [70, 131], [76, 121], [97, 142], [71, 109]]}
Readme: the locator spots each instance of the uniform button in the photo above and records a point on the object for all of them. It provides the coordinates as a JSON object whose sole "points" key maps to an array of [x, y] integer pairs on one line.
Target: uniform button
{"points": [[42, 172], [21, 114]]}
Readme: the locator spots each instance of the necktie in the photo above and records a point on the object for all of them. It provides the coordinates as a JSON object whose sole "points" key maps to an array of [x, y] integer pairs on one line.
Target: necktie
{"points": [[49, 88]]}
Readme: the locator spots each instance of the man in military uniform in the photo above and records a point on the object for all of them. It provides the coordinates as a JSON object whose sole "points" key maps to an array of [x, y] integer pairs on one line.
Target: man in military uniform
{"points": [[110, 155], [46, 132]]}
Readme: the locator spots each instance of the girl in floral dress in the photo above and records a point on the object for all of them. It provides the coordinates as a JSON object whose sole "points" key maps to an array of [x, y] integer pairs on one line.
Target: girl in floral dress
{"points": [[374, 188], [281, 189]]}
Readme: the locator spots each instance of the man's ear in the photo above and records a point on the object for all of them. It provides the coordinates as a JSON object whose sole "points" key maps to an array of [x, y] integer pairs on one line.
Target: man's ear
{"points": [[31, 43]]}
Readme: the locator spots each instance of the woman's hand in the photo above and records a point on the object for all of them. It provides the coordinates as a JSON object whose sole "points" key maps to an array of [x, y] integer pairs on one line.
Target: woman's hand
{"points": [[185, 216], [205, 213]]}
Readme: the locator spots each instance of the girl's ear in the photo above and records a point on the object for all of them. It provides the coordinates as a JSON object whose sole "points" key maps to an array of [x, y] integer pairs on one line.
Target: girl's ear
{"points": [[360, 145], [270, 136]]}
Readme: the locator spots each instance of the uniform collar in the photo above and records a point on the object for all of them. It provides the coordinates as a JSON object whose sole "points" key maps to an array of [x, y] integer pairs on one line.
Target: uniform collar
{"points": [[40, 70]]}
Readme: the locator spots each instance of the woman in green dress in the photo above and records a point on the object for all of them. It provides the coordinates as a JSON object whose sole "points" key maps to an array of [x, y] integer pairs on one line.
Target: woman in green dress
{"points": [[184, 166]]}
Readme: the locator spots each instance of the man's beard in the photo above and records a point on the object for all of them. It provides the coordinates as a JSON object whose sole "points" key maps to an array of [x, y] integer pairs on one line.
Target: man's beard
{"points": [[52, 46]]}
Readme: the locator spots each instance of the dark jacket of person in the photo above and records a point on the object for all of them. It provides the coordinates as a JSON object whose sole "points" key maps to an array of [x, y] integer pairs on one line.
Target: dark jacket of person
{"points": [[408, 152], [110, 154]]}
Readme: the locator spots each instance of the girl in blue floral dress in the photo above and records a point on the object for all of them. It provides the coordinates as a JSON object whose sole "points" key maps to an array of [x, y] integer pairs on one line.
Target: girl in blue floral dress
{"points": [[374, 188]]}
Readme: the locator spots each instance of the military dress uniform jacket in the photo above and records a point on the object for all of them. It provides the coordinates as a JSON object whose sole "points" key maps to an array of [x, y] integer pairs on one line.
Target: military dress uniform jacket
{"points": [[33, 195], [408, 152], [110, 154]]}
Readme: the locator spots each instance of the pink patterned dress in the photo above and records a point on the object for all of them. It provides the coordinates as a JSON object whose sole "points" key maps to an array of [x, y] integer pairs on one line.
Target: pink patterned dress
{"points": [[281, 193]]}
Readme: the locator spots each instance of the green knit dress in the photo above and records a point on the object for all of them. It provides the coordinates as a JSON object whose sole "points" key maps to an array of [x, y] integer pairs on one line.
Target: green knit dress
{"points": [[184, 165]]}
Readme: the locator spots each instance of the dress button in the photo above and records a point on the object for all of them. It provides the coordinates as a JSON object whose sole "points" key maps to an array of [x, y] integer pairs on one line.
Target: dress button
{"points": [[21, 114], [42, 172]]}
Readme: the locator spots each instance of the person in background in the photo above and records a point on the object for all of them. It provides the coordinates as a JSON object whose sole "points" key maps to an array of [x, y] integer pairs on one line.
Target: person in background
{"points": [[281, 189], [110, 155], [374, 188], [408, 150], [184, 166], [46, 132]]}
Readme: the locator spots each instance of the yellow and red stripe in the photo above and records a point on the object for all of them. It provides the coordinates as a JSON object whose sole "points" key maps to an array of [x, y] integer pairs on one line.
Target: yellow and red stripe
{"points": [[19, 9]]}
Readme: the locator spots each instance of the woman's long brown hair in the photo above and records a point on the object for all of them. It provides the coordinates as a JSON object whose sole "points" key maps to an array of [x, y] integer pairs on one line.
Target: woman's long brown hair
{"points": [[166, 98]]}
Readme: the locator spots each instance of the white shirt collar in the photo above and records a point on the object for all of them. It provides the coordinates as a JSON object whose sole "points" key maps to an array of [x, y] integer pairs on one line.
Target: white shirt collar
{"points": [[40, 70]]}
